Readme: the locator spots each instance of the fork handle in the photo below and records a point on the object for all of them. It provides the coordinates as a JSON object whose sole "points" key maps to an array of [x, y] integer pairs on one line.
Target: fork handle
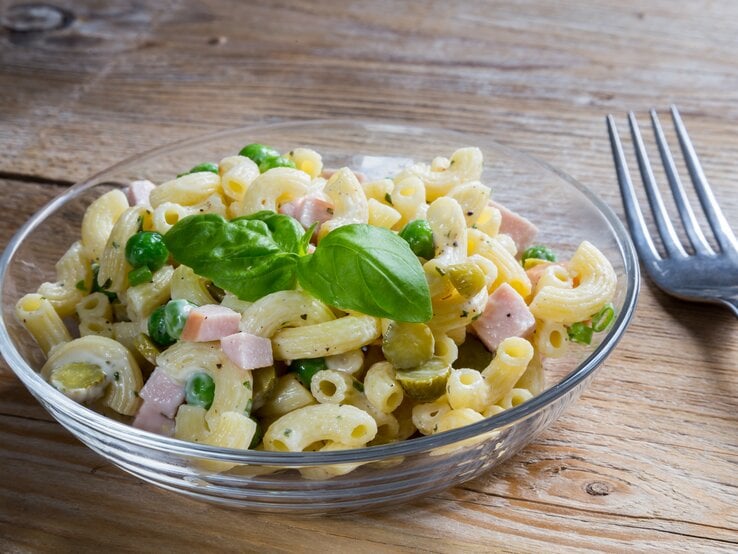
{"points": [[732, 302]]}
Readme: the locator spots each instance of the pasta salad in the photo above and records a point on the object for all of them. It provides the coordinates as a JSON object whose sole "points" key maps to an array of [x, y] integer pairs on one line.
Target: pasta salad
{"points": [[267, 302]]}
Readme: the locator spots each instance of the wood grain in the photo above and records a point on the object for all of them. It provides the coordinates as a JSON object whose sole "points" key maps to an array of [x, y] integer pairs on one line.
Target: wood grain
{"points": [[644, 461]]}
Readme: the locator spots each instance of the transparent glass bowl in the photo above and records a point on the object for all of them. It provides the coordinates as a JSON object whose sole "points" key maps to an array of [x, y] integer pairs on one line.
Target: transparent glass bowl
{"points": [[565, 212]]}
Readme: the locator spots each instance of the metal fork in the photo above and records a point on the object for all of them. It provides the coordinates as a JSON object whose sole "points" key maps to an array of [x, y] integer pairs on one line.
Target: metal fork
{"points": [[706, 275]]}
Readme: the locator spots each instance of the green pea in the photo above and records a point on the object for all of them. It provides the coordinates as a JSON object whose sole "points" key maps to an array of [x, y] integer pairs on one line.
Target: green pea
{"points": [[139, 275], [158, 328], [200, 390], [275, 161], [147, 248], [419, 236], [539, 252], [175, 316], [306, 368], [580, 332], [258, 152], [199, 168]]}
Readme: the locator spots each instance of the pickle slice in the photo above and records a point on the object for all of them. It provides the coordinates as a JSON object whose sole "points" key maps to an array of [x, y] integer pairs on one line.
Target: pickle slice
{"points": [[407, 345], [466, 278], [265, 379], [146, 347], [426, 382], [473, 354], [80, 381]]}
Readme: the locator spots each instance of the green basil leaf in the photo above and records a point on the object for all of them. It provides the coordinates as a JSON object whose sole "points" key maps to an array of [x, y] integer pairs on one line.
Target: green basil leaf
{"points": [[240, 256], [367, 269], [305, 240], [261, 276], [286, 231]]}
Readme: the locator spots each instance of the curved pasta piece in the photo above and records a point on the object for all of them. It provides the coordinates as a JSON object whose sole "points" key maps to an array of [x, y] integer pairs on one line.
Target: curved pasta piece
{"points": [[98, 221], [382, 389], [325, 339], [597, 282], [166, 215], [307, 160], [236, 180], [407, 197], [349, 201], [510, 362], [329, 386], [473, 197], [38, 316], [187, 285], [286, 308], [316, 473], [73, 277], [302, 428], [272, 189], [466, 388], [114, 267], [465, 165], [509, 269], [143, 299], [186, 190], [183, 359], [123, 376]]}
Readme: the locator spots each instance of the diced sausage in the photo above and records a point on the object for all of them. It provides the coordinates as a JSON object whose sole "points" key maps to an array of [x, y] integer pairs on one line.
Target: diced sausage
{"points": [[210, 322], [505, 315], [248, 351], [519, 228], [138, 192], [163, 392]]}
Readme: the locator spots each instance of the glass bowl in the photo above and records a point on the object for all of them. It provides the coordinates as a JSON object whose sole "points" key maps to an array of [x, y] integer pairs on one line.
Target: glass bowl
{"points": [[564, 210]]}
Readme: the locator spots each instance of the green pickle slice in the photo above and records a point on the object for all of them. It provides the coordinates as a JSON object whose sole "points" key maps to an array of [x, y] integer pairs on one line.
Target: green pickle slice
{"points": [[473, 354], [146, 347], [466, 278], [265, 379], [426, 382], [81, 381], [407, 345]]}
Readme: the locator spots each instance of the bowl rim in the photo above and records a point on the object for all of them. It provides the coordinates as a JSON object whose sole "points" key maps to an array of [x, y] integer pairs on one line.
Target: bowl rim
{"points": [[128, 434]]}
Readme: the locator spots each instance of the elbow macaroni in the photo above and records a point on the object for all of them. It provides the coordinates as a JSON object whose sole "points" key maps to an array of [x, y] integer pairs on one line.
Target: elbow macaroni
{"points": [[351, 396]]}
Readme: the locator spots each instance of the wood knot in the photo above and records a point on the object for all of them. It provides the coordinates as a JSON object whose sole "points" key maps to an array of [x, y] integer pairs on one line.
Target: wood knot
{"points": [[35, 18], [597, 488]]}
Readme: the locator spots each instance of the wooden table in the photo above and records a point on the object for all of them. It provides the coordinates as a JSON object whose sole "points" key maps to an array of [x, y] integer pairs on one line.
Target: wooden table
{"points": [[646, 459]]}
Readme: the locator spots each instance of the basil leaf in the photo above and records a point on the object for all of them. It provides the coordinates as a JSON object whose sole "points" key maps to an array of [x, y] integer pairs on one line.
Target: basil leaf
{"points": [[367, 269], [286, 231], [240, 256], [305, 240]]}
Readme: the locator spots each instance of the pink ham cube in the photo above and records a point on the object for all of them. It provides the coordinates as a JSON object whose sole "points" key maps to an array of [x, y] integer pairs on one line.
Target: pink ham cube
{"points": [[309, 210], [138, 192], [149, 418], [210, 322], [505, 315], [520, 229], [248, 351], [163, 392]]}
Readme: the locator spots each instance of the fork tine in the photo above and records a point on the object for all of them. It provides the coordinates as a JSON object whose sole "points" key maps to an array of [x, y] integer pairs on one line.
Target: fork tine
{"points": [[680, 198], [724, 235], [661, 217], [638, 229]]}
